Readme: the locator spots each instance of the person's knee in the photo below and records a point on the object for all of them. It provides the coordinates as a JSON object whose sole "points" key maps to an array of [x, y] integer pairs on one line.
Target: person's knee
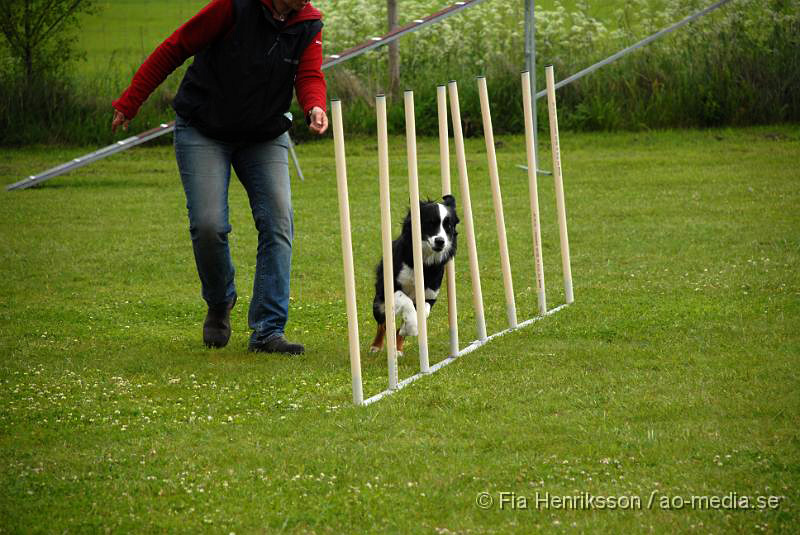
{"points": [[210, 230]]}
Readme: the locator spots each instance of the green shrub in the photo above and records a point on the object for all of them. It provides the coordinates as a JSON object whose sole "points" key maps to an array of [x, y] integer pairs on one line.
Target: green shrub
{"points": [[737, 66]]}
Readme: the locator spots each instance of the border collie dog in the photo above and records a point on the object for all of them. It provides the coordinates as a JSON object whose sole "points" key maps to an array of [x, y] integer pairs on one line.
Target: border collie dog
{"points": [[438, 247]]}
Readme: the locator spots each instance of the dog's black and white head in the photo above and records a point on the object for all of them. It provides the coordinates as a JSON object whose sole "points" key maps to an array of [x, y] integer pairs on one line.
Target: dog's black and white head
{"points": [[439, 232], [438, 225]]}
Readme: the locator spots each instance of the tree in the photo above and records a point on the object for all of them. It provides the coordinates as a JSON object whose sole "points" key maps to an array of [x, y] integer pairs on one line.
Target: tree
{"points": [[37, 32], [394, 58]]}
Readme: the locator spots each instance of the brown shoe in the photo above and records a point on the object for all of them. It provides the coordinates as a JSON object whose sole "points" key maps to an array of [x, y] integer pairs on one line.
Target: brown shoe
{"points": [[217, 327]]}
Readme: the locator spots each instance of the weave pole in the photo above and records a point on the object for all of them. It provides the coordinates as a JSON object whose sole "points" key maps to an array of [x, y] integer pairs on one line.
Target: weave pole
{"points": [[416, 232], [533, 188], [386, 239], [497, 200], [450, 268], [559, 184], [347, 252], [463, 180]]}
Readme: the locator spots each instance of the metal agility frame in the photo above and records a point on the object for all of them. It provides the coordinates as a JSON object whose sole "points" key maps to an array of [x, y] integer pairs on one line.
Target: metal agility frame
{"points": [[466, 219], [370, 44]]}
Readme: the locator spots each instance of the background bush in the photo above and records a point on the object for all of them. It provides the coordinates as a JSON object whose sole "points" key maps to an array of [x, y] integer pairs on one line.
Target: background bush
{"points": [[737, 66]]}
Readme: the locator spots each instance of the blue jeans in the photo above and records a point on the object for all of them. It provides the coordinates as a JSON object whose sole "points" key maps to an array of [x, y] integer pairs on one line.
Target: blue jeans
{"points": [[263, 170]]}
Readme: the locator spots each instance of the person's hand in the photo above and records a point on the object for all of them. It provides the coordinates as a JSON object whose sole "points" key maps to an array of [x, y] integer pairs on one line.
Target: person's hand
{"points": [[317, 120], [119, 119]]}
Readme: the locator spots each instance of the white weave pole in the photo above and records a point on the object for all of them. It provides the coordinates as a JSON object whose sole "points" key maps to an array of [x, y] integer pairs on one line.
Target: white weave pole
{"points": [[469, 229], [347, 252], [386, 239], [533, 188], [497, 200], [560, 206], [416, 231], [450, 269]]}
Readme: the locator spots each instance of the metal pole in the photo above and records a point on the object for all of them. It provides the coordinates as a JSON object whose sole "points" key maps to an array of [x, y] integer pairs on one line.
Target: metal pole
{"points": [[530, 66], [294, 157], [75, 163]]}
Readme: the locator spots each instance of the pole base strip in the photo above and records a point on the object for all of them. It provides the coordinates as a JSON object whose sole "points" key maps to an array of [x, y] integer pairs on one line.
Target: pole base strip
{"points": [[467, 350]]}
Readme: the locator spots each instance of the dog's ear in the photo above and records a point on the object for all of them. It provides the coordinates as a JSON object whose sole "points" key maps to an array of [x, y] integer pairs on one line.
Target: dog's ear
{"points": [[450, 202], [407, 224]]}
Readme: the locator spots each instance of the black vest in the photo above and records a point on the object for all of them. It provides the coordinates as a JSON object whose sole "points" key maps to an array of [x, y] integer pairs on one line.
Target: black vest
{"points": [[240, 87]]}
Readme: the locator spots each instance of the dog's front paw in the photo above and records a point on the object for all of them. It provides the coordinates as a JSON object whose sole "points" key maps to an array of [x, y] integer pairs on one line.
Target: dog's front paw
{"points": [[408, 329]]}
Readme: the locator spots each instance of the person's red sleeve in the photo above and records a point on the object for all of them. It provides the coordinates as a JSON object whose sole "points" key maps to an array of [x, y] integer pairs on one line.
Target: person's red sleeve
{"points": [[211, 23], [309, 82]]}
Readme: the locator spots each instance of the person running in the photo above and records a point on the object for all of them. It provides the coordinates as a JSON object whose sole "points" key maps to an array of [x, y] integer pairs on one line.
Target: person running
{"points": [[232, 109]]}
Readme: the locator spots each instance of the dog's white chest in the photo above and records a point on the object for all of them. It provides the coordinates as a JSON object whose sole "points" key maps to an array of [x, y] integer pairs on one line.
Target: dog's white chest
{"points": [[406, 280]]}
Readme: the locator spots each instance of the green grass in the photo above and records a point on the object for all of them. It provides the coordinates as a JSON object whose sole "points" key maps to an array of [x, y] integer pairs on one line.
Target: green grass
{"points": [[121, 35], [676, 370]]}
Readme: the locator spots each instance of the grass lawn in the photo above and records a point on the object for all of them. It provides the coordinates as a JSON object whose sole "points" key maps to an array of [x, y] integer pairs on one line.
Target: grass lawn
{"points": [[675, 373], [122, 33]]}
